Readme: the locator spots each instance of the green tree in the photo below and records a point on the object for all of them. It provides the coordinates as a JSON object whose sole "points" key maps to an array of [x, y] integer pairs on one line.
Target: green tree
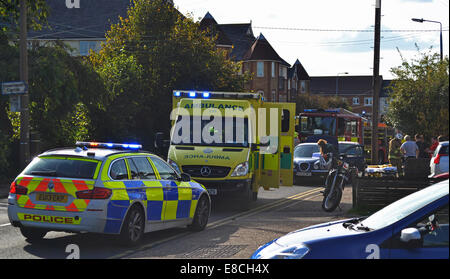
{"points": [[319, 102], [37, 13], [147, 55], [419, 96]]}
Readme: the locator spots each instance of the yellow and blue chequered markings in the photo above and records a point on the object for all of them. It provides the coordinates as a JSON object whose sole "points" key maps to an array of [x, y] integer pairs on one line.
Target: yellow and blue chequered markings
{"points": [[163, 200]]}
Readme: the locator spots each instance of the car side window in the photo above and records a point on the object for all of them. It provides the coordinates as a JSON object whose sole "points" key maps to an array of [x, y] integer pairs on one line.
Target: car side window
{"points": [[145, 170], [164, 170], [438, 235], [118, 170], [133, 169]]}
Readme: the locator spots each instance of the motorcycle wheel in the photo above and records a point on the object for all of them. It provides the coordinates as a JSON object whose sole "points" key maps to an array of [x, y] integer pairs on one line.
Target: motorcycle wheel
{"points": [[331, 200]]}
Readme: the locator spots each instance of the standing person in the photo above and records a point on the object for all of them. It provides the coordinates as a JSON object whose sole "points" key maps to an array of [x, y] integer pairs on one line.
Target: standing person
{"points": [[395, 154], [409, 148], [327, 148], [422, 147], [434, 145]]}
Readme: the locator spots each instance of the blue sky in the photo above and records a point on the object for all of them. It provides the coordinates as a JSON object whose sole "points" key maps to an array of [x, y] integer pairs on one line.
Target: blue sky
{"points": [[285, 23]]}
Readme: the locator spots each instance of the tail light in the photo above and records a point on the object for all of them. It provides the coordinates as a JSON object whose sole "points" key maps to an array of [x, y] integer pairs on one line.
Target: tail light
{"points": [[437, 160], [17, 189], [94, 194]]}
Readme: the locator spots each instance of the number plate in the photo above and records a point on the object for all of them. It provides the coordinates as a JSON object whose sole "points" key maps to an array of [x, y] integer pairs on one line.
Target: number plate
{"points": [[304, 174], [51, 197], [212, 192]]}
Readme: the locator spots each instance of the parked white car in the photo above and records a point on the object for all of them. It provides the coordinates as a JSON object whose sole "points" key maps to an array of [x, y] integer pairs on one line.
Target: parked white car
{"points": [[439, 161]]}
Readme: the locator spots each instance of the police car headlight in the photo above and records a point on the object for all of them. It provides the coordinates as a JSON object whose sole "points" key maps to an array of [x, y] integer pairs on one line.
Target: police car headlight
{"points": [[174, 165], [241, 170], [291, 252]]}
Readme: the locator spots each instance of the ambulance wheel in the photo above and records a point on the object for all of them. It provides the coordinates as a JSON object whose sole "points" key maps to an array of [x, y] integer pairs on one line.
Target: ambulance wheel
{"points": [[32, 234], [133, 227], [201, 215]]}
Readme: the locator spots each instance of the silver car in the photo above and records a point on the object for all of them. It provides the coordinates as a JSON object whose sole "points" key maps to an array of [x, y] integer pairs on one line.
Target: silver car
{"points": [[439, 161]]}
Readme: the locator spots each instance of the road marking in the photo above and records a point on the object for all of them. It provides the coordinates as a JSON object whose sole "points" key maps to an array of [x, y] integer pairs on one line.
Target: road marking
{"points": [[5, 225], [225, 220], [262, 208]]}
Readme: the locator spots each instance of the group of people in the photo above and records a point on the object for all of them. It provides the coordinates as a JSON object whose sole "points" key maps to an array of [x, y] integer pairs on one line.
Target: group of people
{"points": [[400, 152]]}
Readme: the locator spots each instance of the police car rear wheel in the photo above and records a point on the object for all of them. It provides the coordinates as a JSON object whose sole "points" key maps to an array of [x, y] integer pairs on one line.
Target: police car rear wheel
{"points": [[32, 234], [133, 228], [201, 215]]}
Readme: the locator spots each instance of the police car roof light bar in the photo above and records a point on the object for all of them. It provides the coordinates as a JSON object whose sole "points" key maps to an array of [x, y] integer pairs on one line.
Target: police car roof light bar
{"points": [[108, 145]]}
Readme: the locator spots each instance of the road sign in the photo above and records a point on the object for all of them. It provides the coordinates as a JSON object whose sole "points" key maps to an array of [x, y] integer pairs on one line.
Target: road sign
{"points": [[10, 88]]}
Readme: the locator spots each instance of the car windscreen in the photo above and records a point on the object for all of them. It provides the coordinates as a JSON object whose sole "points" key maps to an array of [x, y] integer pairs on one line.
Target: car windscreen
{"points": [[350, 149], [305, 150], [318, 125], [63, 167], [405, 206]]}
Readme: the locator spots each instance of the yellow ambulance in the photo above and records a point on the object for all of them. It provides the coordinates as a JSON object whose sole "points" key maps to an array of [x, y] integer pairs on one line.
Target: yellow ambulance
{"points": [[232, 143]]}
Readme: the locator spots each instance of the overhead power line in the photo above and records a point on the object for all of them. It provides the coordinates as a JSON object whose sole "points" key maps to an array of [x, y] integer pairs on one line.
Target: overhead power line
{"points": [[346, 30]]}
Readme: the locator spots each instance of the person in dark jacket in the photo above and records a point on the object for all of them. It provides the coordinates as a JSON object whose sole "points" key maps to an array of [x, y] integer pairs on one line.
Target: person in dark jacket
{"points": [[326, 149]]}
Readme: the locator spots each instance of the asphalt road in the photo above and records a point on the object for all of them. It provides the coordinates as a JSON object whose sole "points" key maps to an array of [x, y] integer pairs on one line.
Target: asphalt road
{"points": [[231, 233]]}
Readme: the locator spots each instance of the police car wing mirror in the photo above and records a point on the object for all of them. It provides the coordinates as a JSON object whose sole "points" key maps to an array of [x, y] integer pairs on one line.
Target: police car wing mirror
{"points": [[185, 177]]}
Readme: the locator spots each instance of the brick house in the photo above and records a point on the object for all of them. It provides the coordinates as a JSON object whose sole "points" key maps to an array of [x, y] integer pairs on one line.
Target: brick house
{"points": [[273, 76], [298, 81]]}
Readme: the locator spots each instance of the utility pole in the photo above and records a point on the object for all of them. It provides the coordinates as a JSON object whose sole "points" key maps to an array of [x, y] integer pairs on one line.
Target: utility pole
{"points": [[376, 83], [24, 151]]}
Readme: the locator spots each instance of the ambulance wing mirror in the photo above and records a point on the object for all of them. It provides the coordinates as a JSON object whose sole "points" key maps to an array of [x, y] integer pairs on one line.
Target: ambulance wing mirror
{"points": [[160, 142]]}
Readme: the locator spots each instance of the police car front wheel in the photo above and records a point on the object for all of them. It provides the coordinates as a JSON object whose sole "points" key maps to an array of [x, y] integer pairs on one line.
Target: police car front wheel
{"points": [[201, 215]]}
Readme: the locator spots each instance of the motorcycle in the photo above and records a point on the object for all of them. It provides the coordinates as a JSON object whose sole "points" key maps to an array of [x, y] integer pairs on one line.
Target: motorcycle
{"points": [[339, 175]]}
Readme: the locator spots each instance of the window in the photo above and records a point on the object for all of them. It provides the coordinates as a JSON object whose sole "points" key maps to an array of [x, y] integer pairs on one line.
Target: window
{"points": [[289, 84], [164, 170], [62, 167], [303, 86], [85, 46], [285, 117], [145, 170], [355, 101], [368, 101], [273, 69], [274, 96], [119, 170], [260, 69], [133, 169]]}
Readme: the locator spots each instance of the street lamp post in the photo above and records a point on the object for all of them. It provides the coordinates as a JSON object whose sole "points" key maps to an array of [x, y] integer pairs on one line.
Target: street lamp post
{"points": [[421, 20], [337, 77]]}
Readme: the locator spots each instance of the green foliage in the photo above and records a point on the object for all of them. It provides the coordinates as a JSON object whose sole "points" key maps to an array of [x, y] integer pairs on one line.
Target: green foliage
{"points": [[147, 55], [320, 102], [59, 86], [10, 13], [419, 96]]}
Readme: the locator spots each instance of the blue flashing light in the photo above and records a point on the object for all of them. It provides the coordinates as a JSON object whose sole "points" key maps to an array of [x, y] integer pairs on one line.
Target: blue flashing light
{"points": [[310, 110], [177, 93], [332, 110], [192, 94], [86, 145], [206, 95]]}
